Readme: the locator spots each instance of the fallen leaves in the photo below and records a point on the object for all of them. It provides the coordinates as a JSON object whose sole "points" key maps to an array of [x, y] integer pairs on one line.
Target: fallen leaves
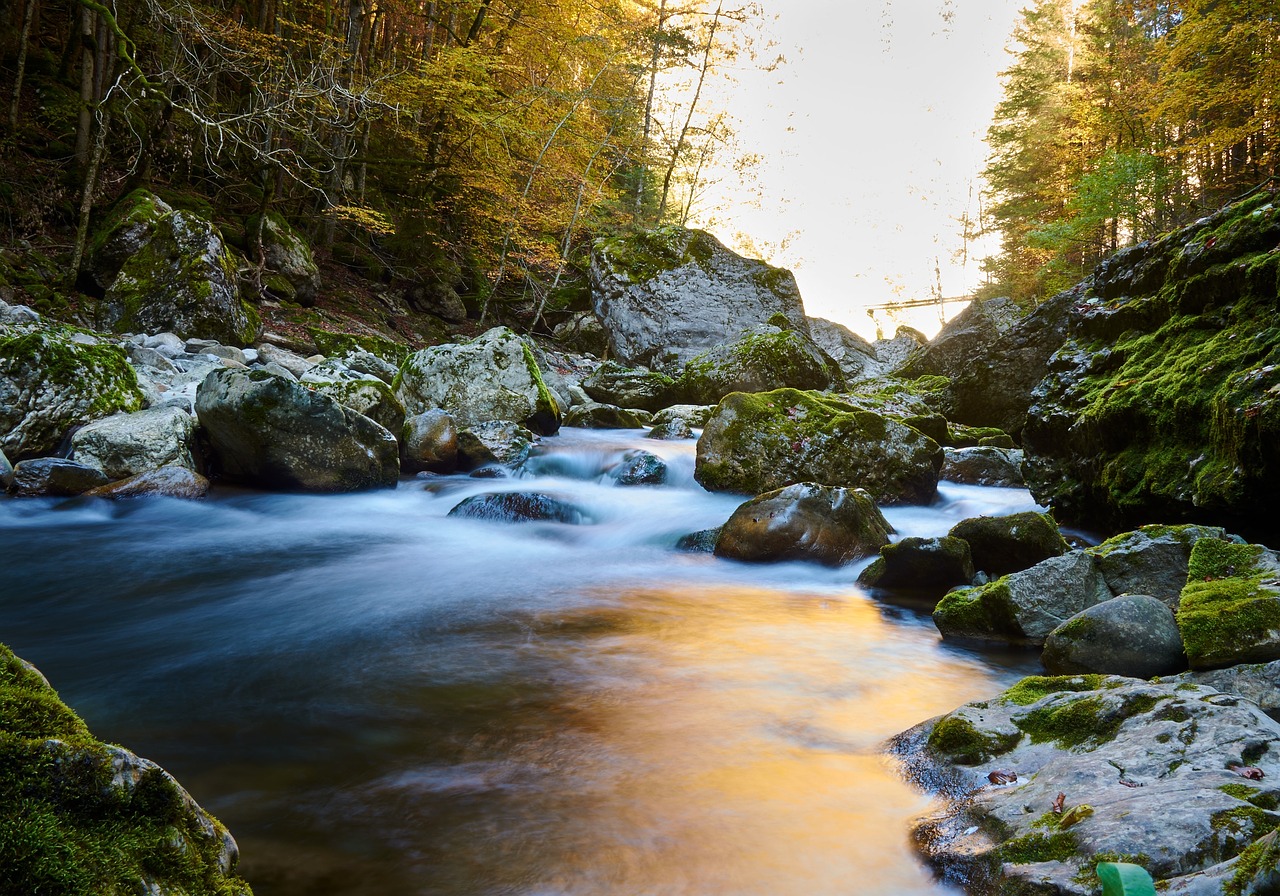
{"points": [[1057, 803], [1002, 776], [1253, 773]]}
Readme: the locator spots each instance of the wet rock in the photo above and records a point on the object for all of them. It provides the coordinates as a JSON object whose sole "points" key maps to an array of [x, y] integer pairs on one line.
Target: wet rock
{"points": [[493, 377], [667, 294], [128, 444], [805, 521], [1000, 467], [920, 566], [701, 542], [48, 384], [278, 434], [430, 442], [496, 442], [695, 414], [1133, 635], [1151, 560], [672, 430], [761, 360], [640, 468], [1005, 544], [1230, 608], [594, 415], [855, 356], [630, 387], [757, 443], [55, 476], [368, 396], [1256, 682], [170, 481], [518, 507], [1023, 607], [1144, 770]]}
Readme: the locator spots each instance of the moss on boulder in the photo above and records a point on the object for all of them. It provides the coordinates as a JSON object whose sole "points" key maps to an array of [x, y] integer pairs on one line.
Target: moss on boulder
{"points": [[763, 360], [1230, 608], [1004, 544]]}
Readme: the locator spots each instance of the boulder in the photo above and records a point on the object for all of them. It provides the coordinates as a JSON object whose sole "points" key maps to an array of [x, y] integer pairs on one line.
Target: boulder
{"points": [[128, 444], [639, 468], [701, 542], [1229, 611], [1141, 771], [757, 443], [594, 415], [694, 414], [55, 476], [371, 397], [582, 332], [174, 273], [369, 364], [1151, 560], [171, 481], [293, 362], [1024, 607], [496, 442], [518, 507], [430, 442], [762, 360], [1133, 635], [1256, 682], [961, 436], [6, 472], [493, 377], [968, 335], [1164, 400], [855, 357], [96, 818], [805, 521], [629, 387], [924, 566], [893, 353], [291, 273], [672, 430], [983, 466], [1005, 544], [899, 398], [50, 383], [278, 434], [665, 295]]}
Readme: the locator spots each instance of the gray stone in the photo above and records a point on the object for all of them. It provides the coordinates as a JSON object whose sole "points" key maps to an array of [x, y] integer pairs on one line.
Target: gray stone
{"points": [[583, 332], [140, 355], [983, 466], [430, 442], [805, 521], [278, 434], [361, 361], [696, 415], [1005, 544], [371, 397], [1229, 612], [493, 377], [17, 315], [494, 442], [630, 387], [701, 542], [1151, 560], [1256, 682], [290, 361], [855, 356], [170, 482], [892, 354], [167, 344], [760, 360], [639, 468], [276, 370], [1023, 607], [968, 335], [667, 294], [594, 415], [6, 472], [672, 430], [55, 476], [920, 566], [226, 352], [1133, 635], [518, 507], [1143, 769], [128, 444]]}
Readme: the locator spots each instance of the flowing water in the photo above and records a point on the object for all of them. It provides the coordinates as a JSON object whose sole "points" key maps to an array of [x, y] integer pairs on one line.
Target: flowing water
{"points": [[378, 699]]}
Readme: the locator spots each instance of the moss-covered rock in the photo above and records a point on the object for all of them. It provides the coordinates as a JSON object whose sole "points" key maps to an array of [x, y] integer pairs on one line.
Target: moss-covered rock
{"points": [[50, 382], [762, 360], [805, 521], [1004, 544], [755, 443], [1133, 635], [292, 272], [630, 387], [925, 566], [337, 344], [594, 415], [1152, 559], [1230, 608], [87, 817], [371, 397]]}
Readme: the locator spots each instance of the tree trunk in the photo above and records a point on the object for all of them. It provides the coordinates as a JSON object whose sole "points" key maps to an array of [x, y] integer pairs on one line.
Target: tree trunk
{"points": [[84, 124], [648, 108], [688, 120], [28, 15]]}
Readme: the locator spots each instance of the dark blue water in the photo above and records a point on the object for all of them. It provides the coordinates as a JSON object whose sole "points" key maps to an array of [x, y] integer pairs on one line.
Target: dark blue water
{"points": [[377, 699]]}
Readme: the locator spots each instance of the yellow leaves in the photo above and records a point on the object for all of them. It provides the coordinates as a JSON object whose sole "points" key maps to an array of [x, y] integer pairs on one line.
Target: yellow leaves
{"points": [[365, 218]]}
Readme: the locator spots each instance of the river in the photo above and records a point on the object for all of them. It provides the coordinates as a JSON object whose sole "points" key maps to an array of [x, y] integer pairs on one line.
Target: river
{"points": [[378, 699]]}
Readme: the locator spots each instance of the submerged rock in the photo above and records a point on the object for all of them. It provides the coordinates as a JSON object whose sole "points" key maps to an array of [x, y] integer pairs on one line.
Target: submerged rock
{"points": [[757, 443], [518, 507], [640, 468], [805, 521], [1133, 635]]}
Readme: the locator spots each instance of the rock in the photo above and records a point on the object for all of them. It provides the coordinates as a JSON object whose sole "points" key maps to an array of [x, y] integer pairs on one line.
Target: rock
{"points": [[932, 425], [757, 443], [805, 521], [695, 414], [582, 332], [167, 344], [855, 357], [701, 542], [1133, 635], [174, 274], [1005, 544], [141, 356], [667, 294], [925, 566], [629, 387], [225, 352], [296, 364], [278, 434], [1256, 682], [983, 466], [640, 468], [968, 335], [48, 384], [291, 274], [430, 442], [55, 476], [1023, 607], [128, 444], [761, 360], [361, 361], [672, 430], [6, 472], [493, 377], [899, 398], [518, 507], [594, 415], [1144, 770], [276, 370], [95, 817], [961, 436], [1230, 608], [371, 397], [1163, 402], [1152, 560], [17, 315], [171, 481], [893, 353], [495, 442]]}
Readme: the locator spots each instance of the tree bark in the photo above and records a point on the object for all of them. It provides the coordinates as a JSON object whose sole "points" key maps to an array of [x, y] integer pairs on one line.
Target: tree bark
{"points": [[28, 14]]}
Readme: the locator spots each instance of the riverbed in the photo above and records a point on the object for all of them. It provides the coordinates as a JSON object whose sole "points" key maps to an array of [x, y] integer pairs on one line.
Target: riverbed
{"points": [[380, 699]]}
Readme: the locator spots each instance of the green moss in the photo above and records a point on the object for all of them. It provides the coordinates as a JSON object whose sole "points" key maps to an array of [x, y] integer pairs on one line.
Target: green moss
{"points": [[1226, 614], [332, 344], [1213, 559], [1059, 847], [1252, 795], [1078, 628], [957, 738], [1261, 856], [1035, 688], [645, 254], [985, 611], [1082, 721]]}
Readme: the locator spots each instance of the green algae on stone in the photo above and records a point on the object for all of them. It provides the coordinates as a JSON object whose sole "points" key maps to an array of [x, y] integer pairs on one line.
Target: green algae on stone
{"points": [[956, 738], [1035, 688]]}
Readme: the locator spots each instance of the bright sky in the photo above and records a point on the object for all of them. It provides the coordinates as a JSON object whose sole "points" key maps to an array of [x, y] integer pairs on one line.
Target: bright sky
{"points": [[871, 143]]}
